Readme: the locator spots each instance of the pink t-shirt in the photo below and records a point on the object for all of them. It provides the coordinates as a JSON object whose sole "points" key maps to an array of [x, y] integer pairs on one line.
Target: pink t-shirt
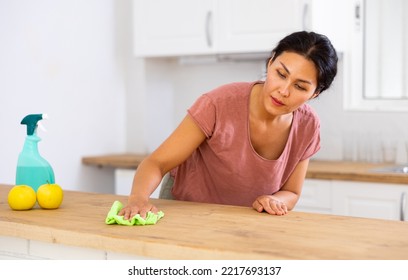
{"points": [[226, 169]]}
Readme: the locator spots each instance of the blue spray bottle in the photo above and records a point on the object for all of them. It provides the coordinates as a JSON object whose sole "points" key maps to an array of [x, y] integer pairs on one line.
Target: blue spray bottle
{"points": [[32, 169]]}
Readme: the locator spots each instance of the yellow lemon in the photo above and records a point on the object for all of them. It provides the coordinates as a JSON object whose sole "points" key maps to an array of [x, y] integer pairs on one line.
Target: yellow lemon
{"points": [[21, 197], [50, 196]]}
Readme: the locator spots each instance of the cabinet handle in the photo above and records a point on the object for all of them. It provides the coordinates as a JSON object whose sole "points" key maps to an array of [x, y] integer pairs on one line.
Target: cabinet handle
{"points": [[304, 16], [403, 205], [208, 29], [357, 11], [358, 15]]}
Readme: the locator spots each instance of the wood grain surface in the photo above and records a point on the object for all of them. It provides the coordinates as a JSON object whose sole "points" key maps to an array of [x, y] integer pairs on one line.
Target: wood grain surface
{"points": [[130, 161], [207, 231], [354, 171]]}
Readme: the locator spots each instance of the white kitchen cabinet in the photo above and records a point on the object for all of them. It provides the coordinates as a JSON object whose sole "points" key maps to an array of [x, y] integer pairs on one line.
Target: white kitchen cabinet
{"points": [[124, 180], [357, 199], [335, 19], [316, 197], [15, 248], [171, 28], [257, 25], [370, 200], [185, 27]]}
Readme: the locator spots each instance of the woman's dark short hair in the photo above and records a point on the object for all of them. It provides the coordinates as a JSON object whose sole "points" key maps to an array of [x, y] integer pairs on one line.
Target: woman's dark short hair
{"points": [[315, 47]]}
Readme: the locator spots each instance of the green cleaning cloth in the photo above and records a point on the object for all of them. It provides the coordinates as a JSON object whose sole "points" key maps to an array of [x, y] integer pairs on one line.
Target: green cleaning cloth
{"points": [[114, 218]]}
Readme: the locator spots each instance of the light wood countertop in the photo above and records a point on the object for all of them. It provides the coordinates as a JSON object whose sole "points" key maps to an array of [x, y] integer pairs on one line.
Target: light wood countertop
{"points": [[353, 171], [328, 170], [207, 231], [130, 161]]}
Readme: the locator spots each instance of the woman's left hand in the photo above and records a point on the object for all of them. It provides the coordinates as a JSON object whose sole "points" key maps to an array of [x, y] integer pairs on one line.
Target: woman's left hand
{"points": [[270, 204]]}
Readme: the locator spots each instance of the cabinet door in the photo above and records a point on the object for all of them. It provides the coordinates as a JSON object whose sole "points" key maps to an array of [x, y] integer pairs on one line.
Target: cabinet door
{"points": [[370, 200], [257, 26], [334, 18], [124, 180], [316, 197], [170, 28]]}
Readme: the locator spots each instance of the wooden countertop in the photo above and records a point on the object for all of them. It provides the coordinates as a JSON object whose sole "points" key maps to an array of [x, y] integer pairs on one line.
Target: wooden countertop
{"points": [[353, 171], [207, 231], [329, 170], [130, 161]]}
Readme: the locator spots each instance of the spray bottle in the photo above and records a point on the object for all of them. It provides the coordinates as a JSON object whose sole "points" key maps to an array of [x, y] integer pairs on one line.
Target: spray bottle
{"points": [[32, 169]]}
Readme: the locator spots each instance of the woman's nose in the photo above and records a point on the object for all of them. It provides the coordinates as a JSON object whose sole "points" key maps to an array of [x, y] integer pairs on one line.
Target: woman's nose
{"points": [[284, 90]]}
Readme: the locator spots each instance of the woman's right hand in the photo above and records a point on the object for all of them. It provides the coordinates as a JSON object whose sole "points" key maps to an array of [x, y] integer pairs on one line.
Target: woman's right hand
{"points": [[137, 206]]}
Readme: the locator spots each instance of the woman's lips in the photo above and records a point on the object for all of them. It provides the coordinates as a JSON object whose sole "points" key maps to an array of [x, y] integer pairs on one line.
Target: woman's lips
{"points": [[277, 102]]}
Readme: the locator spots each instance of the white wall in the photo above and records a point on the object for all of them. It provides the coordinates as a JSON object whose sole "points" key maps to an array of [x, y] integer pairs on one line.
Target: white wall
{"points": [[64, 58]]}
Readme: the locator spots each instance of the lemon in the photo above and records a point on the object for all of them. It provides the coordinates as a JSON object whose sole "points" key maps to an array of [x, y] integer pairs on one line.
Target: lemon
{"points": [[50, 196], [21, 197]]}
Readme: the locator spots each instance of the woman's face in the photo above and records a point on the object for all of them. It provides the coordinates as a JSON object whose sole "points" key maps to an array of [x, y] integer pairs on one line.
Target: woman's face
{"points": [[291, 81]]}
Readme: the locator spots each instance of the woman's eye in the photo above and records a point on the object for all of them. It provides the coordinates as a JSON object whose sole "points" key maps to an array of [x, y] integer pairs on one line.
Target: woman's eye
{"points": [[280, 74], [299, 87]]}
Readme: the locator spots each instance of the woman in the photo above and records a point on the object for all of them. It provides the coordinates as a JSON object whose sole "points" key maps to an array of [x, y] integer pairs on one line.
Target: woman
{"points": [[245, 143]]}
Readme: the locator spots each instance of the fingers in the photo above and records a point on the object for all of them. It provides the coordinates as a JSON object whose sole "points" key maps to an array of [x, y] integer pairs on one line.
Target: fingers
{"points": [[281, 209], [143, 211], [270, 205], [129, 211], [257, 206], [122, 212], [126, 212]]}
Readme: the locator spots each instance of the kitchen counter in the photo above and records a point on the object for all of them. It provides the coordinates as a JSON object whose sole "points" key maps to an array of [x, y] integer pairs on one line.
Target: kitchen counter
{"points": [[329, 170], [206, 231], [130, 161], [353, 171]]}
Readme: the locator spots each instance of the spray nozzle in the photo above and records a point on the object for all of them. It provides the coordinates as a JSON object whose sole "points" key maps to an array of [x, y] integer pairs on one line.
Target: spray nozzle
{"points": [[32, 121]]}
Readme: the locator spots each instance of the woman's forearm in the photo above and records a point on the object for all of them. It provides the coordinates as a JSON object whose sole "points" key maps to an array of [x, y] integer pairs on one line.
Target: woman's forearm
{"points": [[147, 178]]}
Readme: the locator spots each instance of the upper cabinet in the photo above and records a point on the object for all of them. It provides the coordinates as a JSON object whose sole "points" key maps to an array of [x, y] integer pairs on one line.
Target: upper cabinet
{"points": [[256, 26], [194, 27], [197, 27], [171, 28], [335, 19]]}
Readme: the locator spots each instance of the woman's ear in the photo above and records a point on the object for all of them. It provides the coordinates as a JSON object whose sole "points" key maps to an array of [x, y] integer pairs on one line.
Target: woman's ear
{"points": [[271, 59], [316, 94]]}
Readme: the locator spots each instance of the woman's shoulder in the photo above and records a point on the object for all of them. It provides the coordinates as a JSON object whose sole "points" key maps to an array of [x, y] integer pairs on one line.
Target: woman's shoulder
{"points": [[306, 113]]}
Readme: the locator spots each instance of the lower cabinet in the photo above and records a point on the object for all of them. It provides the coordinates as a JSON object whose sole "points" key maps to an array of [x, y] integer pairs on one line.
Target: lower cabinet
{"points": [[357, 199], [16, 248], [124, 180], [370, 200], [316, 197]]}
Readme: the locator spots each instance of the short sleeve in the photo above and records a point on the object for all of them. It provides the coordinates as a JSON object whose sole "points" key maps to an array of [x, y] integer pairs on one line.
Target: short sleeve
{"points": [[314, 145], [203, 112]]}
